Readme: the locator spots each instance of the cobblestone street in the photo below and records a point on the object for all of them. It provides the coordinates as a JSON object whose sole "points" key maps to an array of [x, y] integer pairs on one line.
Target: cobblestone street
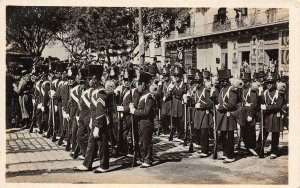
{"points": [[32, 158]]}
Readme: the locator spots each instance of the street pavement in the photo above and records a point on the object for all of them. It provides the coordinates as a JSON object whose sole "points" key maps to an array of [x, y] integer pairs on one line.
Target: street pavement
{"points": [[30, 158]]}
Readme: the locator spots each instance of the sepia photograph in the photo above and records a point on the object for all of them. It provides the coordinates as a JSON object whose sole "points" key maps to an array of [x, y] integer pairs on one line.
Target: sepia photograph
{"points": [[146, 95]]}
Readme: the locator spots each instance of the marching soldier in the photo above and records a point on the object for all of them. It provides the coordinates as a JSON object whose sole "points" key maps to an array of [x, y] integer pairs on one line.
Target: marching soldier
{"points": [[144, 114], [99, 135], [45, 88], [226, 122]]}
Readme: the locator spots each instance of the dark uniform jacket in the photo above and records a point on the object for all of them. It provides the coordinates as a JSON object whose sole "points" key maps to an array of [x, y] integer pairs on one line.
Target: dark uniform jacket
{"points": [[203, 115], [273, 114], [101, 109], [166, 100], [177, 94], [227, 103], [145, 109], [250, 97]]}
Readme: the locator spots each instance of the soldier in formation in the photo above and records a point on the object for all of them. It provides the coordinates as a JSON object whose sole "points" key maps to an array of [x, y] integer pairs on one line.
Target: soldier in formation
{"points": [[98, 111]]}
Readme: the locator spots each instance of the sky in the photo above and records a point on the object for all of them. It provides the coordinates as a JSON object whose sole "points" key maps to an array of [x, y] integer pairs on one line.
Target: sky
{"points": [[56, 49]]}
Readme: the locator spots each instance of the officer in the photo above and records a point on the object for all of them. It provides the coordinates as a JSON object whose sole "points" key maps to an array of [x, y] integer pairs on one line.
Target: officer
{"points": [[144, 114], [226, 123], [99, 135], [272, 104]]}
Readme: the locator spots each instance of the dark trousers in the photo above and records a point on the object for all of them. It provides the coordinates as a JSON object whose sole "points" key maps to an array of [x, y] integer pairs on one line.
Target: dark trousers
{"points": [[74, 133], [127, 134], [146, 130], [83, 132], [204, 140], [165, 122], [102, 143], [44, 121], [249, 136], [274, 142], [227, 139], [178, 125], [38, 113], [60, 116], [50, 121]]}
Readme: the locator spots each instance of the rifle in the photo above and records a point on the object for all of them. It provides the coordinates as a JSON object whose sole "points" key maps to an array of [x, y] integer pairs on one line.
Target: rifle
{"points": [[215, 153], [33, 119], [262, 152], [63, 134], [133, 164], [171, 122], [120, 131], [191, 146], [185, 127]]}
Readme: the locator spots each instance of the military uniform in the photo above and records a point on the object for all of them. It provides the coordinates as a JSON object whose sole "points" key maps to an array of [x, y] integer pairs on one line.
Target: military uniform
{"points": [[144, 114], [226, 122]]}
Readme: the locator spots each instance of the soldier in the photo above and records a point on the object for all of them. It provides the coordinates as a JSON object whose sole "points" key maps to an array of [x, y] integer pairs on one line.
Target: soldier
{"points": [[71, 106], [166, 100], [130, 96], [53, 121], [203, 113], [99, 133], [271, 106], [248, 113], [177, 89], [23, 89], [144, 114], [45, 88], [84, 115], [226, 122], [75, 94]]}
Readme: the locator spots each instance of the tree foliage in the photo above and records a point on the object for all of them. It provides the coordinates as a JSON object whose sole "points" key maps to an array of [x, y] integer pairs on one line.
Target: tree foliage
{"points": [[32, 28]]}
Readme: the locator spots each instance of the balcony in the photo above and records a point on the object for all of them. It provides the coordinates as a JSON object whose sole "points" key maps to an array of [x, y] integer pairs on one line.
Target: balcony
{"points": [[272, 16]]}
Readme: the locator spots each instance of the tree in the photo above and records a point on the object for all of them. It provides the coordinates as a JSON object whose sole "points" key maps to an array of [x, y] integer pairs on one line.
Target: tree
{"points": [[32, 28]]}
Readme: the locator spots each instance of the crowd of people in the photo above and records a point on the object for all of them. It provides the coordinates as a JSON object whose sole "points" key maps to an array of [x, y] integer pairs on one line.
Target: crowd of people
{"points": [[101, 109]]}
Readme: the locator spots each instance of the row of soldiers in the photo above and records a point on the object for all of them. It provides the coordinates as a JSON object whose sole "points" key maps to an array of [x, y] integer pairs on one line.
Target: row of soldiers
{"points": [[93, 111]]}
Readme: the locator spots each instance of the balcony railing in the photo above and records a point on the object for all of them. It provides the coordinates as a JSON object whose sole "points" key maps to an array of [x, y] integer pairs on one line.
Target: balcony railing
{"points": [[252, 20]]}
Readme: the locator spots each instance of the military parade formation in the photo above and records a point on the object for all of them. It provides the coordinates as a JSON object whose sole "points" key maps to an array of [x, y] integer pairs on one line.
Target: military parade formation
{"points": [[100, 109]]}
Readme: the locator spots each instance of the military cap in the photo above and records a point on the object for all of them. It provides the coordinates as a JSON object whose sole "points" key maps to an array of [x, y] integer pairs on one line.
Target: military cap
{"points": [[83, 74], [245, 76], [152, 69], [61, 67], [271, 77], [285, 79], [165, 71], [44, 69], [198, 75], [224, 74], [260, 74], [145, 77], [191, 73], [129, 74], [206, 74], [177, 71], [95, 70], [53, 65], [72, 72]]}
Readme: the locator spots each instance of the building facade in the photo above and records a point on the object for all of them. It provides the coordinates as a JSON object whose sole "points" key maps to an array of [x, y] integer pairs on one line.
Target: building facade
{"points": [[230, 38]]}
